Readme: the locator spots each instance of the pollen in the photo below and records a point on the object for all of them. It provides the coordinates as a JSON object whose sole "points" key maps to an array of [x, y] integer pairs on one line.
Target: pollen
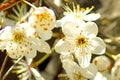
{"points": [[77, 75], [43, 16], [18, 36]]}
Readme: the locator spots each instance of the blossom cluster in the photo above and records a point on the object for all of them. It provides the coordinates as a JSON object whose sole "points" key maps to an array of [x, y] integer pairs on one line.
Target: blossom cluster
{"points": [[80, 41], [77, 47], [26, 38]]}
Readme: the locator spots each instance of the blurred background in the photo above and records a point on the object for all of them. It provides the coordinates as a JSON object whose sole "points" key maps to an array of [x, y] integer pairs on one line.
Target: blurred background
{"points": [[109, 30]]}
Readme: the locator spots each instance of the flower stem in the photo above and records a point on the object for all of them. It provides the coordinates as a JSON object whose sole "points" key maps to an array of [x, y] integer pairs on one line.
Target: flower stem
{"points": [[35, 64], [21, 13], [5, 75], [3, 66], [110, 55], [2, 20]]}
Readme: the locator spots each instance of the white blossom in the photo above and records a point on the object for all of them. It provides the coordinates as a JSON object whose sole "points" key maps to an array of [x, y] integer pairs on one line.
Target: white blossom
{"points": [[116, 70], [102, 62], [79, 14], [43, 20], [75, 72], [81, 40], [19, 41]]}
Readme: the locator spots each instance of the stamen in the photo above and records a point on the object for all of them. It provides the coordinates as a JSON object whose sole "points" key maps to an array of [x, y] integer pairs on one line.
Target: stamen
{"points": [[62, 75], [77, 75], [74, 9], [81, 41], [78, 8], [18, 36]]}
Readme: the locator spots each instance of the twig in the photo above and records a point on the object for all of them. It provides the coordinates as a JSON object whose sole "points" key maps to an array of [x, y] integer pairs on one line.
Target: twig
{"points": [[5, 75], [3, 66]]}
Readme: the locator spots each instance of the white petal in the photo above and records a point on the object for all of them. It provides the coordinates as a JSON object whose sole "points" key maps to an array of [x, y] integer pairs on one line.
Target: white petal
{"points": [[45, 35], [91, 17], [99, 46], [70, 29], [90, 71], [83, 59], [70, 66], [91, 28], [64, 46], [12, 50], [65, 56], [44, 46], [28, 29], [31, 53], [28, 48], [65, 19], [100, 61], [5, 33], [58, 24], [31, 20]]}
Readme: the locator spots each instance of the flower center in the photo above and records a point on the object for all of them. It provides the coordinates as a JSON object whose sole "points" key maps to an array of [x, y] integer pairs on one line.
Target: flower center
{"points": [[81, 41], [77, 75], [18, 36], [78, 16], [43, 16]]}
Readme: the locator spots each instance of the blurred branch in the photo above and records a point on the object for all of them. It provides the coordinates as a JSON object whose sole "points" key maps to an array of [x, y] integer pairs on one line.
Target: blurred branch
{"points": [[8, 5], [113, 40]]}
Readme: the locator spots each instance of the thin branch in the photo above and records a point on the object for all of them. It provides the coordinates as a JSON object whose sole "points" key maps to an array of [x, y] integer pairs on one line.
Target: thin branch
{"points": [[5, 75], [3, 65]]}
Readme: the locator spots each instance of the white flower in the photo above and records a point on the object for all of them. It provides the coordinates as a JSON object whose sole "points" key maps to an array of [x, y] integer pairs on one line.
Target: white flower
{"points": [[100, 61], [18, 41], [43, 20], [75, 72], [25, 72], [81, 41], [116, 70], [79, 14]]}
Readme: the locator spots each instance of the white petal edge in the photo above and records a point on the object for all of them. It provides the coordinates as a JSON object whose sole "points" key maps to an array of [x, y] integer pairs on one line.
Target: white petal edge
{"points": [[83, 59], [90, 71], [91, 17], [64, 46], [91, 28], [45, 35], [28, 29], [44, 47], [70, 66], [70, 28], [65, 56], [99, 46]]}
